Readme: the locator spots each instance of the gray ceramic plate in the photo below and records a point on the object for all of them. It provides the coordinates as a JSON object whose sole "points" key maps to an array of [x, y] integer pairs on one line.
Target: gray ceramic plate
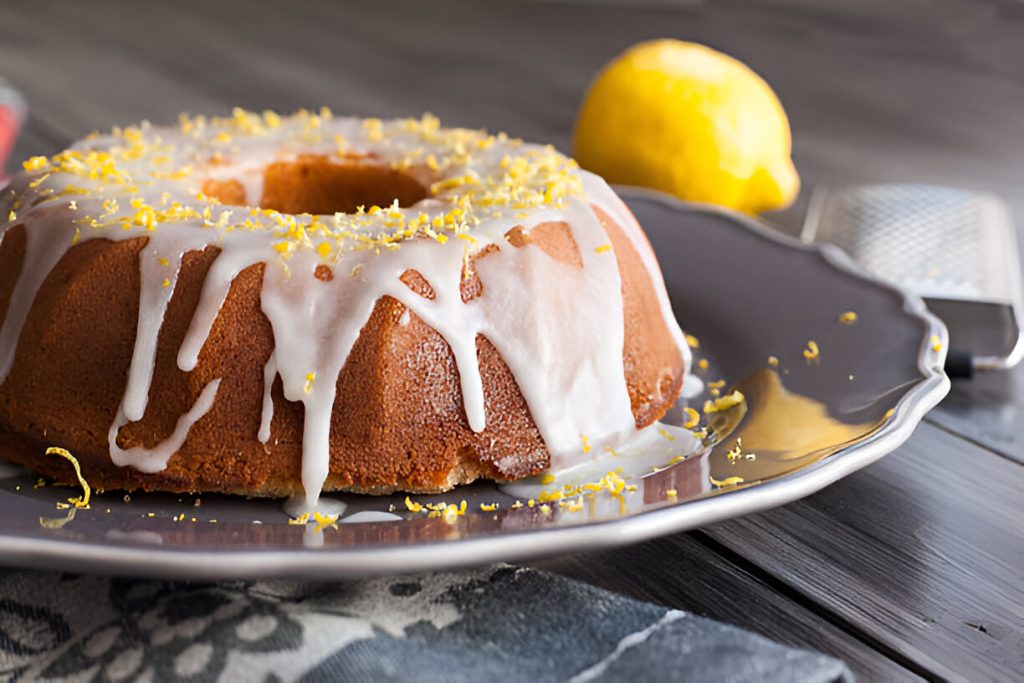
{"points": [[744, 291]]}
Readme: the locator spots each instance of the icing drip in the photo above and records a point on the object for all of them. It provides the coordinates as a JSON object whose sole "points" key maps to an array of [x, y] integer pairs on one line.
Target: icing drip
{"points": [[602, 194], [267, 416], [534, 309], [371, 516], [41, 255], [155, 459], [160, 264], [296, 506]]}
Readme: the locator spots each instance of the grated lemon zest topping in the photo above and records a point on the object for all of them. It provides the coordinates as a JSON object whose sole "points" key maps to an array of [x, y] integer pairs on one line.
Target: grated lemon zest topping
{"points": [[36, 163], [812, 352], [529, 177]]}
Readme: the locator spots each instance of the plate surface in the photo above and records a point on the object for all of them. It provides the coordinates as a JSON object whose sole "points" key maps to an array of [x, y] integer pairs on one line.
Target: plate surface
{"points": [[747, 293]]}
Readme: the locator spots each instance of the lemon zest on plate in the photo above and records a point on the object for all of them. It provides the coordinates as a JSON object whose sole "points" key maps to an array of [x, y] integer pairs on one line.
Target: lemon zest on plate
{"points": [[80, 502]]}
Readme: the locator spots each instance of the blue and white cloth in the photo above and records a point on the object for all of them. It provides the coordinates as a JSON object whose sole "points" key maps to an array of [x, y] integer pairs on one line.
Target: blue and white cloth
{"points": [[495, 624]]}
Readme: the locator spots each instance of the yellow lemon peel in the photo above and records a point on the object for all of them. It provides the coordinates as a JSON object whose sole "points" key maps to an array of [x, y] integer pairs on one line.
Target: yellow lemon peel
{"points": [[728, 481], [734, 398], [80, 502]]}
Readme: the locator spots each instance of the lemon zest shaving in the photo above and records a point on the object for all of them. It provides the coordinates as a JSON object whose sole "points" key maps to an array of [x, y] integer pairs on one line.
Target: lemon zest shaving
{"points": [[725, 402], [80, 502], [300, 520], [728, 481]]}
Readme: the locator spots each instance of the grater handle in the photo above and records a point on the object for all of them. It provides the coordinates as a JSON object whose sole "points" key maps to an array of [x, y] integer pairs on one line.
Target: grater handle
{"points": [[959, 364]]}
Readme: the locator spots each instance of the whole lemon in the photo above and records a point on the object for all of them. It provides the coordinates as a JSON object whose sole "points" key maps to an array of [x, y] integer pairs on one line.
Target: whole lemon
{"points": [[686, 119]]}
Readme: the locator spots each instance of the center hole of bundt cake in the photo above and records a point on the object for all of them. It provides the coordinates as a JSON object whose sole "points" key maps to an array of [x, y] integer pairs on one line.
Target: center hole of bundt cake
{"points": [[313, 184]]}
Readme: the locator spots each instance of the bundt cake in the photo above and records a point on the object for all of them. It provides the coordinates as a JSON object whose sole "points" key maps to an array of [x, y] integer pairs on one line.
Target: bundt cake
{"points": [[272, 306]]}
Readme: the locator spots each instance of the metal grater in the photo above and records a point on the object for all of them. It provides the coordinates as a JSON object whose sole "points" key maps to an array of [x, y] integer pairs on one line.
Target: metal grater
{"points": [[955, 248]]}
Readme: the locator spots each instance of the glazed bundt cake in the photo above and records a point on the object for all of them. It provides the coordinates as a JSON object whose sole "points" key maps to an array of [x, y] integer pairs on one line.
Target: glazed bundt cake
{"points": [[271, 306]]}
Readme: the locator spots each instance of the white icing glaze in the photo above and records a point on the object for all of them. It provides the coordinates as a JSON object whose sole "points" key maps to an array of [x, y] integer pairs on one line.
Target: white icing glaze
{"points": [[371, 516], [155, 459], [654, 447], [41, 255], [692, 386], [534, 309], [267, 416], [602, 194], [296, 506]]}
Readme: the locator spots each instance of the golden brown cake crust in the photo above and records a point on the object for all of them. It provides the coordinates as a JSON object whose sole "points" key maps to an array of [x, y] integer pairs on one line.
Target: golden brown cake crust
{"points": [[398, 421]]}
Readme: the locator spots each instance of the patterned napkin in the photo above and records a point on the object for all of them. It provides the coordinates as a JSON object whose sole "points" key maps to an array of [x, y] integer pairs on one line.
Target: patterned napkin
{"points": [[499, 623]]}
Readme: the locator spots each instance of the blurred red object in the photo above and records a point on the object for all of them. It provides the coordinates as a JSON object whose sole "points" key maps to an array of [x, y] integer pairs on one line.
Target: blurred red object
{"points": [[12, 114]]}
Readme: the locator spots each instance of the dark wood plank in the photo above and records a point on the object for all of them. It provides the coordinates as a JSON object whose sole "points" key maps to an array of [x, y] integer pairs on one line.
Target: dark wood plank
{"points": [[988, 409], [684, 574], [924, 550]]}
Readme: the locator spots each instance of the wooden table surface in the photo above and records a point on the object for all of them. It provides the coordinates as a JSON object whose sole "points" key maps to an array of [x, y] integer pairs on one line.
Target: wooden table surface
{"points": [[909, 568]]}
